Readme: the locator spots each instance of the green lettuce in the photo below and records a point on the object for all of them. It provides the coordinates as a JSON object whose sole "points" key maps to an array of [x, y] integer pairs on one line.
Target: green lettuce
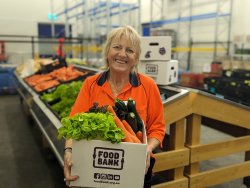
{"points": [[89, 126]]}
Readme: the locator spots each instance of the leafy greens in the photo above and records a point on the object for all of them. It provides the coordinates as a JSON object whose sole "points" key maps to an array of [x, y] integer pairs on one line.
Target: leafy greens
{"points": [[66, 95], [89, 126]]}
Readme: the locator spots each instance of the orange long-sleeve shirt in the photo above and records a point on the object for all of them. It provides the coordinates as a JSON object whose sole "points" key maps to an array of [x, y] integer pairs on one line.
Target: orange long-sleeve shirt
{"points": [[141, 89]]}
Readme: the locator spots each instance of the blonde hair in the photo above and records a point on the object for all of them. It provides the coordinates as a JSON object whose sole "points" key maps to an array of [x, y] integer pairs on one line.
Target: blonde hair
{"points": [[129, 33]]}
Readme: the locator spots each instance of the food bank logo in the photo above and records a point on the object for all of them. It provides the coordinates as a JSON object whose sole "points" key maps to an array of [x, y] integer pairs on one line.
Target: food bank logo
{"points": [[108, 158]]}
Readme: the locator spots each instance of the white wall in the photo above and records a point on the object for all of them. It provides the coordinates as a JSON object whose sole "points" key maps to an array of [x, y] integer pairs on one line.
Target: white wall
{"points": [[21, 18]]}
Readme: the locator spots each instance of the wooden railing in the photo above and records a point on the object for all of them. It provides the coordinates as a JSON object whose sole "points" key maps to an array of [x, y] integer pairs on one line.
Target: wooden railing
{"points": [[185, 151]]}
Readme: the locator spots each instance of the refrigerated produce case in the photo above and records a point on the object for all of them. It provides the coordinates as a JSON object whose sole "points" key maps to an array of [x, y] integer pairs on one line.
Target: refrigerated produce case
{"points": [[44, 117]]}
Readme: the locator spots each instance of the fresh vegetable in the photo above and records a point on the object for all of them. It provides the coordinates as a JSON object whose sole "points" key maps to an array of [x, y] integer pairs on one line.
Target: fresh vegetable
{"points": [[121, 109], [111, 110], [90, 126], [63, 107], [129, 113], [121, 126], [129, 134], [132, 108], [131, 119], [128, 127], [120, 105], [72, 90], [139, 135], [64, 96], [46, 85], [96, 108], [100, 122], [135, 139], [56, 94]]}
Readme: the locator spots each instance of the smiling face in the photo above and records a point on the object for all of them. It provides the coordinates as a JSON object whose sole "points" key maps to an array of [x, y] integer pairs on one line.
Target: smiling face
{"points": [[122, 49], [121, 55]]}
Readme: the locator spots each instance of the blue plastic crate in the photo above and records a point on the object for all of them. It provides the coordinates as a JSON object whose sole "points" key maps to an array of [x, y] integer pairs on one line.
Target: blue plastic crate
{"points": [[7, 80], [6, 68]]}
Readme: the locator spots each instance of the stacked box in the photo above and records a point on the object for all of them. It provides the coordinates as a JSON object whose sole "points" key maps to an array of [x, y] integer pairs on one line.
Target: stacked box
{"points": [[155, 48], [156, 60], [164, 72]]}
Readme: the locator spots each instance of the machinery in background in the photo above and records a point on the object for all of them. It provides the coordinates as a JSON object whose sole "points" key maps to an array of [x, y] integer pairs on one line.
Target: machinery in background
{"points": [[156, 60]]}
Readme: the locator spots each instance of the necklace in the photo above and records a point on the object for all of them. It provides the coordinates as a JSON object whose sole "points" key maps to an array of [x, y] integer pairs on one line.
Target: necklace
{"points": [[118, 86], [116, 90]]}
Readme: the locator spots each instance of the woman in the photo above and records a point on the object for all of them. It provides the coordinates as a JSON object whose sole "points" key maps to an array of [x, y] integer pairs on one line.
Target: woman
{"points": [[120, 80]]}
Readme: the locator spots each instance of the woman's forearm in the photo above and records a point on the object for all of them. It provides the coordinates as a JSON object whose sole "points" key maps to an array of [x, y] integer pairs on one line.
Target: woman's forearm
{"points": [[152, 144], [68, 143]]}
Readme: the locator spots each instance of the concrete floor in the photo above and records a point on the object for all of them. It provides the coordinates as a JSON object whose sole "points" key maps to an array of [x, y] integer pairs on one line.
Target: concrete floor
{"points": [[209, 136], [25, 164]]}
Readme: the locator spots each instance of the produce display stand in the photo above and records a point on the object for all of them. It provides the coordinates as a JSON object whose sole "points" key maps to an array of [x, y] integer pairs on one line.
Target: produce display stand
{"points": [[46, 120], [179, 162]]}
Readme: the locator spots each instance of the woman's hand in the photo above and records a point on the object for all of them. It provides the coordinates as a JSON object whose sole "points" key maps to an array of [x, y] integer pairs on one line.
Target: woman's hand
{"points": [[148, 160], [67, 168], [152, 144]]}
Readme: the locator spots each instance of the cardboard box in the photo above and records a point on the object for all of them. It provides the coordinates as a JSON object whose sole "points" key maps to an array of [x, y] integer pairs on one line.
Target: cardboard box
{"points": [[163, 72], [103, 164], [155, 48]]}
